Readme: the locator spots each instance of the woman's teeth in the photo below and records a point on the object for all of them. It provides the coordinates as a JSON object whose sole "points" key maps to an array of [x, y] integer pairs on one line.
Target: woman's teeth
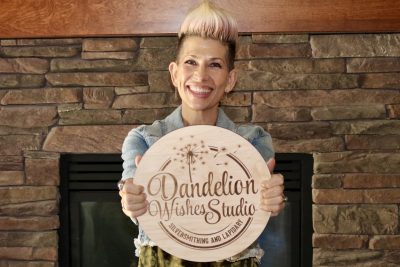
{"points": [[199, 90]]}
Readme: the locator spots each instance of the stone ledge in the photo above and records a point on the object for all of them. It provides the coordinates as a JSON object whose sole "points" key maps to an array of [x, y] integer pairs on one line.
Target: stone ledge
{"points": [[28, 253], [87, 139], [332, 241], [364, 219], [385, 242], [331, 196]]}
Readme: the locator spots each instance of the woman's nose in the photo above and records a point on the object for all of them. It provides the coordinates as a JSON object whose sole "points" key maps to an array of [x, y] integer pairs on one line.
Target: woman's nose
{"points": [[201, 73]]}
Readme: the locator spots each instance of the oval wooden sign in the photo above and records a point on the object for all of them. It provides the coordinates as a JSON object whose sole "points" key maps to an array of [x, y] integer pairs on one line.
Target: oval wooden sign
{"points": [[203, 187]]}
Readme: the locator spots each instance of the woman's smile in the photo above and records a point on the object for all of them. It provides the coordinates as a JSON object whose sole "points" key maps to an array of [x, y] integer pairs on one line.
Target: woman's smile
{"points": [[199, 91]]}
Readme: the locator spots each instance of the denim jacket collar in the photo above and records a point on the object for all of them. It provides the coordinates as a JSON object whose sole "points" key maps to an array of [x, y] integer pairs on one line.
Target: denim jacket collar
{"points": [[174, 121]]}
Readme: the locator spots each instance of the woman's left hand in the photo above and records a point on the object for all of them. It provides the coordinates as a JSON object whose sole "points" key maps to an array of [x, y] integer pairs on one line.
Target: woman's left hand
{"points": [[272, 197]]}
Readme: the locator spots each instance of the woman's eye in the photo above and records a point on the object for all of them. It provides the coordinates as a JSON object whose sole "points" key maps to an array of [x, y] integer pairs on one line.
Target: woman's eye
{"points": [[215, 65], [190, 62]]}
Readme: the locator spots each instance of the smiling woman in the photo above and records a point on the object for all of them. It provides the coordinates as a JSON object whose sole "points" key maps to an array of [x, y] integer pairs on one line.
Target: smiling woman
{"points": [[60, 18]]}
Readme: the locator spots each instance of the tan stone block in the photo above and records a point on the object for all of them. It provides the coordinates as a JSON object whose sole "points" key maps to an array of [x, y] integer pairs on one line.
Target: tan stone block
{"points": [[332, 196], [355, 219], [24, 65], [140, 116], [360, 65], [381, 80], [28, 253], [392, 256], [131, 90], [69, 107], [244, 39], [28, 117], [98, 97], [237, 114], [349, 112], [17, 263], [382, 196], [158, 42], [154, 58], [87, 139], [355, 45], [50, 254], [258, 80], [41, 51], [108, 55], [8, 42], [293, 65], [97, 79], [273, 51], [21, 80], [394, 111], [236, 99], [22, 194], [327, 181], [16, 253], [15, 144], [160, 81], [280, 38], [49, 42], [68, 65], [333, 241], [308, 145], [37, 208], [110, 44], [29, 223], [356, 162], [11, 163], [42, 171], [385, 242], [139, 101], [353, 258], [300, 130], [11, 178], [263, 113], [379, 127], [42, 96], [372, 142], [90, 117], [335, 65], [315, 98], [366, 180], [28, 239], [9, 130]]}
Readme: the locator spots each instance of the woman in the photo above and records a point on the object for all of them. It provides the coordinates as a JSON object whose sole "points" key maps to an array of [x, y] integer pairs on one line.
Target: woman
{"points": [[202, 73]]}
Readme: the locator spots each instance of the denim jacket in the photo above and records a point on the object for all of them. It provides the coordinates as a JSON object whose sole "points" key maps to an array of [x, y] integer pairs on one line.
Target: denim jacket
{"points": [[144, 136]]}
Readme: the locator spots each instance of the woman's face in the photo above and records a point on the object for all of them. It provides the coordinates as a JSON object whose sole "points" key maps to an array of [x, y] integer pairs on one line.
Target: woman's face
{"points": [[201, 73]]}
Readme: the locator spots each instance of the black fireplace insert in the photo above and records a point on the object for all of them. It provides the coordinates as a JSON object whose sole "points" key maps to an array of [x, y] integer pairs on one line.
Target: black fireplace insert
{"points": [[95, 233]]}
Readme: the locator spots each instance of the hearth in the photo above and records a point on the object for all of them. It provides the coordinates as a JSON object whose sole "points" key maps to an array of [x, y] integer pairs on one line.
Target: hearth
{"points": [[95, 232]]}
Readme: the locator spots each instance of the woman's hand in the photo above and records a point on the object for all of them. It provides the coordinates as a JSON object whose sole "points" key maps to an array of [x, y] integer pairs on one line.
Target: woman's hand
{"points": [[272, 197], [133, 199]]}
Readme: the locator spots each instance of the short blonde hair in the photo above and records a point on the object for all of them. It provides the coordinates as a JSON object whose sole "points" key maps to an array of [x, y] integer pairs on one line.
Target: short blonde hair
{"points": [[210, 21]]}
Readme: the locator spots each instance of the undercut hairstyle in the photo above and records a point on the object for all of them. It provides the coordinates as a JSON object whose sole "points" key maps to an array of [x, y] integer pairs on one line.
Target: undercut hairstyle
{"points": [[210, 21]]}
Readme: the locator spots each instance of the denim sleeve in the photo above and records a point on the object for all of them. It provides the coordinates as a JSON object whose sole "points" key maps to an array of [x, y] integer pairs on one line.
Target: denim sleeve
{"points": [[259, 138], [263, 143], [134, 144]]}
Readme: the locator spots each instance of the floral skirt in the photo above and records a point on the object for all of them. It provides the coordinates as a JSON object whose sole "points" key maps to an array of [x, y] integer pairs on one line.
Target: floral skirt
{"points": [[155, 257]]}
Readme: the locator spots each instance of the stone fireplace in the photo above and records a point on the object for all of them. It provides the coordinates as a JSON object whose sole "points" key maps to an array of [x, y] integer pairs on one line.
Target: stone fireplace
{"points": [[334, 96]]}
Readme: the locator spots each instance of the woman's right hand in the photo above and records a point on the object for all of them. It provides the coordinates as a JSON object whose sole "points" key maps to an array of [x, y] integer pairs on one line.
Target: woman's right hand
{"points": [[133, 198]]}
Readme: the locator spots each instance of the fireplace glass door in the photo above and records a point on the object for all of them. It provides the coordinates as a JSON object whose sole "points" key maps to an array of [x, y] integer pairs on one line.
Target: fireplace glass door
{"points": [[95, 233]]}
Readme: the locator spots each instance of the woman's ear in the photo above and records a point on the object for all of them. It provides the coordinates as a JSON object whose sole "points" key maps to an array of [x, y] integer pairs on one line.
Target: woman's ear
{"points": [[232, 78], [173, 69]]}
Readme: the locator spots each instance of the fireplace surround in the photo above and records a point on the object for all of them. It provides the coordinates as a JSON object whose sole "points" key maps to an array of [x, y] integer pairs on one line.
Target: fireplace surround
{"points": [[333, 96], [95, 232]]}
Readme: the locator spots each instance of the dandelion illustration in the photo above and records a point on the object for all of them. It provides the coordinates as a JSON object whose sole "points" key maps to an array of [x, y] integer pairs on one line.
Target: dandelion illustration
{"points": [[190, 154]]}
